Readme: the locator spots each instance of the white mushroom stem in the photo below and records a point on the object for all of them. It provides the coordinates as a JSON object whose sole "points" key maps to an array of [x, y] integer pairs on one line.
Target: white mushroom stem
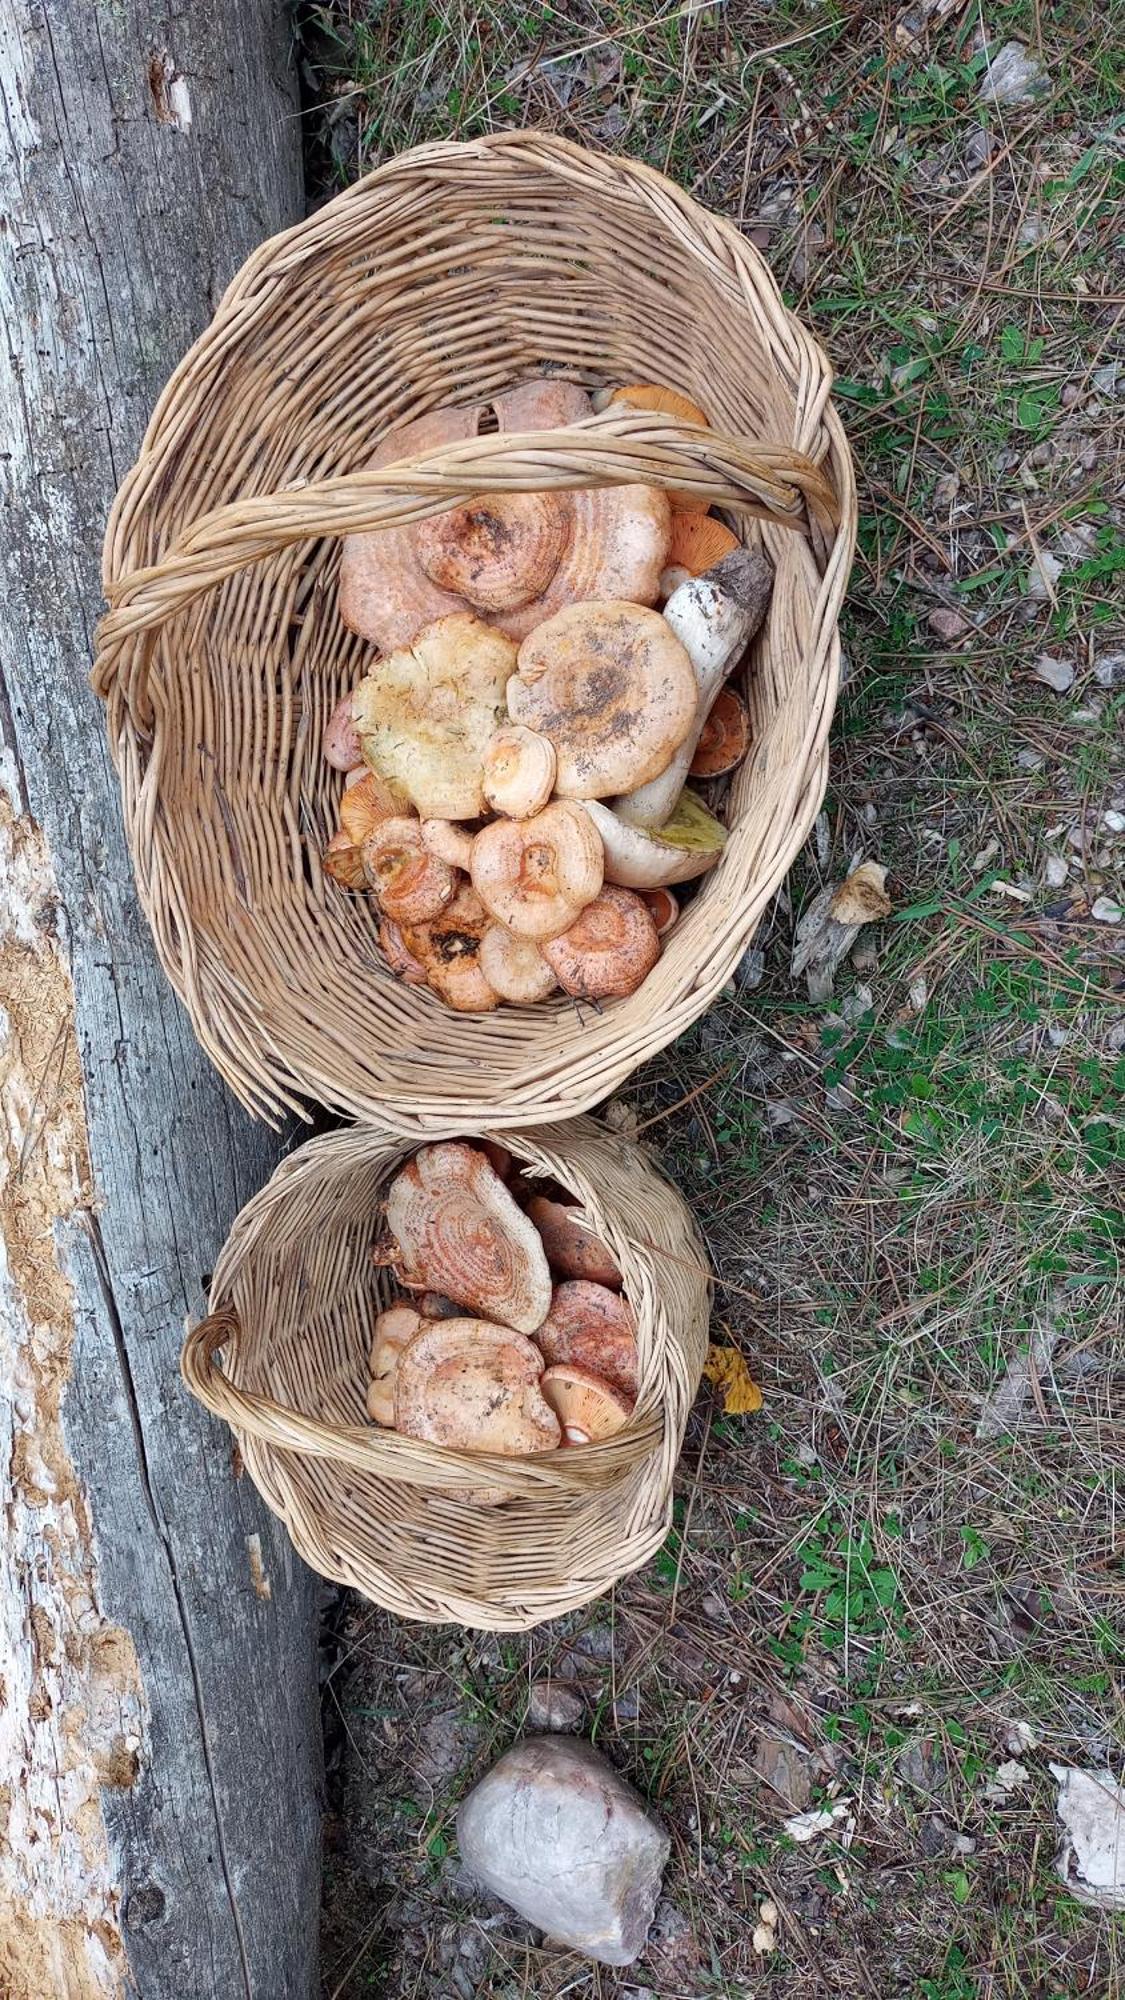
{"points": [[638, 859], [714, 617]]}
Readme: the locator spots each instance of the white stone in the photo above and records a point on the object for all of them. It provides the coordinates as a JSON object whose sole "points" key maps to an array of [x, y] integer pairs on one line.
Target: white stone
{"points": [[559, 1836], [1058, 674], [1012, 76], [1056, 870], [1043, 576], [1105, 910]]}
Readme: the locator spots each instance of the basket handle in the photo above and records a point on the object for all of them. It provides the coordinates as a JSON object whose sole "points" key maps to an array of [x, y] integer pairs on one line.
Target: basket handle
{"points": [[769, 482], [393, 1456]]}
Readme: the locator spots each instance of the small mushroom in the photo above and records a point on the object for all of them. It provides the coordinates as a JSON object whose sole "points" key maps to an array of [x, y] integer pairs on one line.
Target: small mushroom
{"points": [[715, 617], [663, 402], [662, 908], [587, 1407], [448, 841], [394, 1329], [724, 738], [474, 1386], [411, 884], [536, 875], [514, 967], [613, 688], [340, 747], [573, 1251], [519, 771], [425, 714], [364, 805], [448, 948], [688, 843], [698, 542], [513, 557], [398, 954], [594, 1327], [459, 1232], [609, 951]]}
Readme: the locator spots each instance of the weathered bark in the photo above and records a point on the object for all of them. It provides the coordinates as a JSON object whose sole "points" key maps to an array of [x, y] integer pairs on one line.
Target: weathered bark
{"points": [[159, 1738]]}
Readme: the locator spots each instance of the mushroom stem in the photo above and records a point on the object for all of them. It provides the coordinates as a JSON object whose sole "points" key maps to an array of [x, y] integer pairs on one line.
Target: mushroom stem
{"points": [[714, 617], [688, 843]]}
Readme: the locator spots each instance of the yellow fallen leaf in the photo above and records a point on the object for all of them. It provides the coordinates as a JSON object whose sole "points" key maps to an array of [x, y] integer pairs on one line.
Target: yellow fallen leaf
{"points": [[727, 1369]]}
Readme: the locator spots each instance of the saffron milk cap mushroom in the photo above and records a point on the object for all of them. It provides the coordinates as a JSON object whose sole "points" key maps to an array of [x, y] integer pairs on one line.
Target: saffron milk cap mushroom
{"points": [[425, 714], [698, 542], [724, 738], [473, 1385], [663, 402], [662, 908], [688, 843], [460, 1232], [398, 954], [364, 805], [448, 841], [512, 557], [614, 689], [587, 1407], [341, 743], [411, 883], [448, 950], [573, 1251], [715, 616], [595, 1327], [537, 875], [514, 967], [394, 1329], [609, 951], [519, 771]]}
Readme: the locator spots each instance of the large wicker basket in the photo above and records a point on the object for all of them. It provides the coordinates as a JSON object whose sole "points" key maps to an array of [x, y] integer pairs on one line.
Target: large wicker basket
{"points": [[292, 1306], [446, 275]]}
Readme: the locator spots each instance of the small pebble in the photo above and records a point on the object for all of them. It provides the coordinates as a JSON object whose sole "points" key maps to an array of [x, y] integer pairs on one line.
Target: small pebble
{"points": [[947, 625], [1114, 822], [1056, 871], [1057, 674], [1043, 576], [1106, 911]]}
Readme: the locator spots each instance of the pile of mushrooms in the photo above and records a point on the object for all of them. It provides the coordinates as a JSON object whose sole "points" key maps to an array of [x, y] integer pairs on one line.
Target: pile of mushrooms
{"points": [[510, 1333], [516, 758]]}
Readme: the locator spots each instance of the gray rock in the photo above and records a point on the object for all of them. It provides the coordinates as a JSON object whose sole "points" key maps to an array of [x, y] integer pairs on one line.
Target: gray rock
{"points": [[1109, 670], [555, 1705], [555, 1833], [1012, 76], [1058, 674]]}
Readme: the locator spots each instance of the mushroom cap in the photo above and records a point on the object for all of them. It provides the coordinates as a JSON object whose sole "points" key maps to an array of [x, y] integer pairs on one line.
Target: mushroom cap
{"points": [[460, 1232], [665, 402], [685, 846], [411, 884], [425, 713], [340, 746], [342, 860], [724, 738], [573, 1251], [398, 954], [595, 1328], [609, 950], [365, 803], [519, 771], [662, 908], [448, 949], [613, 688], [435, 1305], [474, 1386], [587, 1407], [448, 841], [394, 1330], [515, 557], [536, 875], [514, 967]]}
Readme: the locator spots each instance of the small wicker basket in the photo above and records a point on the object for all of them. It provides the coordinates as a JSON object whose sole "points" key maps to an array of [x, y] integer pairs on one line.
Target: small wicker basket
{"points": [[292, 1306], [445, 276]]}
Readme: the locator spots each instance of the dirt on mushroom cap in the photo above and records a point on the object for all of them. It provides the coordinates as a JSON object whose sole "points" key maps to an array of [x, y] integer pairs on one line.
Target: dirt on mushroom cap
{"points": [[426, 712], [612, 687], [460, 1232], [473, 1385]]}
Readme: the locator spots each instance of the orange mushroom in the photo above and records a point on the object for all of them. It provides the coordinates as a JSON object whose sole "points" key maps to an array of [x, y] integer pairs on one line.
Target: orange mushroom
{"points": [[514, 967], [474, 1386], [398, 954], [394, 1329], [459, 1232], [664, 402], [364, 805], [724, 738], [573, 1251], [698, 542], [662, 908], [519, 771], [594, 1327], [609, 951], [448, 949], [536, 875], [614, 690], [587, 1407], [412, 884], [513, 557]]}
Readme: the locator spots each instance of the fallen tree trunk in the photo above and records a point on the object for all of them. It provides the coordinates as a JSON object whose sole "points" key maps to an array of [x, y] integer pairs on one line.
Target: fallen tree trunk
{"points": [[160, 1758]]}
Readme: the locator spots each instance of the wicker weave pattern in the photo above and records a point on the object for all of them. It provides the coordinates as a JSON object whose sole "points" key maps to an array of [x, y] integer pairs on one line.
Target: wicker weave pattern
{"points": [[447, 275], [292, 1306]]}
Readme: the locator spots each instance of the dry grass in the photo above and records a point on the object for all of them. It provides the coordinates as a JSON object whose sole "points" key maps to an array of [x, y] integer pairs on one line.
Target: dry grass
{"points": [[908, 1188]]}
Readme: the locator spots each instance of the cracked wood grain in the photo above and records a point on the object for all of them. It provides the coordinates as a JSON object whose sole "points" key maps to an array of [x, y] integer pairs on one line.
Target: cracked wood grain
{"points": [[143, 153]]}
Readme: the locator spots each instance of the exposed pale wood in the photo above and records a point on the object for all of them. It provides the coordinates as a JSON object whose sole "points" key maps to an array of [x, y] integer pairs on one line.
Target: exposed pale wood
{"points": [[156, 1631]]}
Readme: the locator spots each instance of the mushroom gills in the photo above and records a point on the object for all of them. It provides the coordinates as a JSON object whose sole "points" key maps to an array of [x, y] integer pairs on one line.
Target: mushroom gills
{"points": [[587, 1407]]}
